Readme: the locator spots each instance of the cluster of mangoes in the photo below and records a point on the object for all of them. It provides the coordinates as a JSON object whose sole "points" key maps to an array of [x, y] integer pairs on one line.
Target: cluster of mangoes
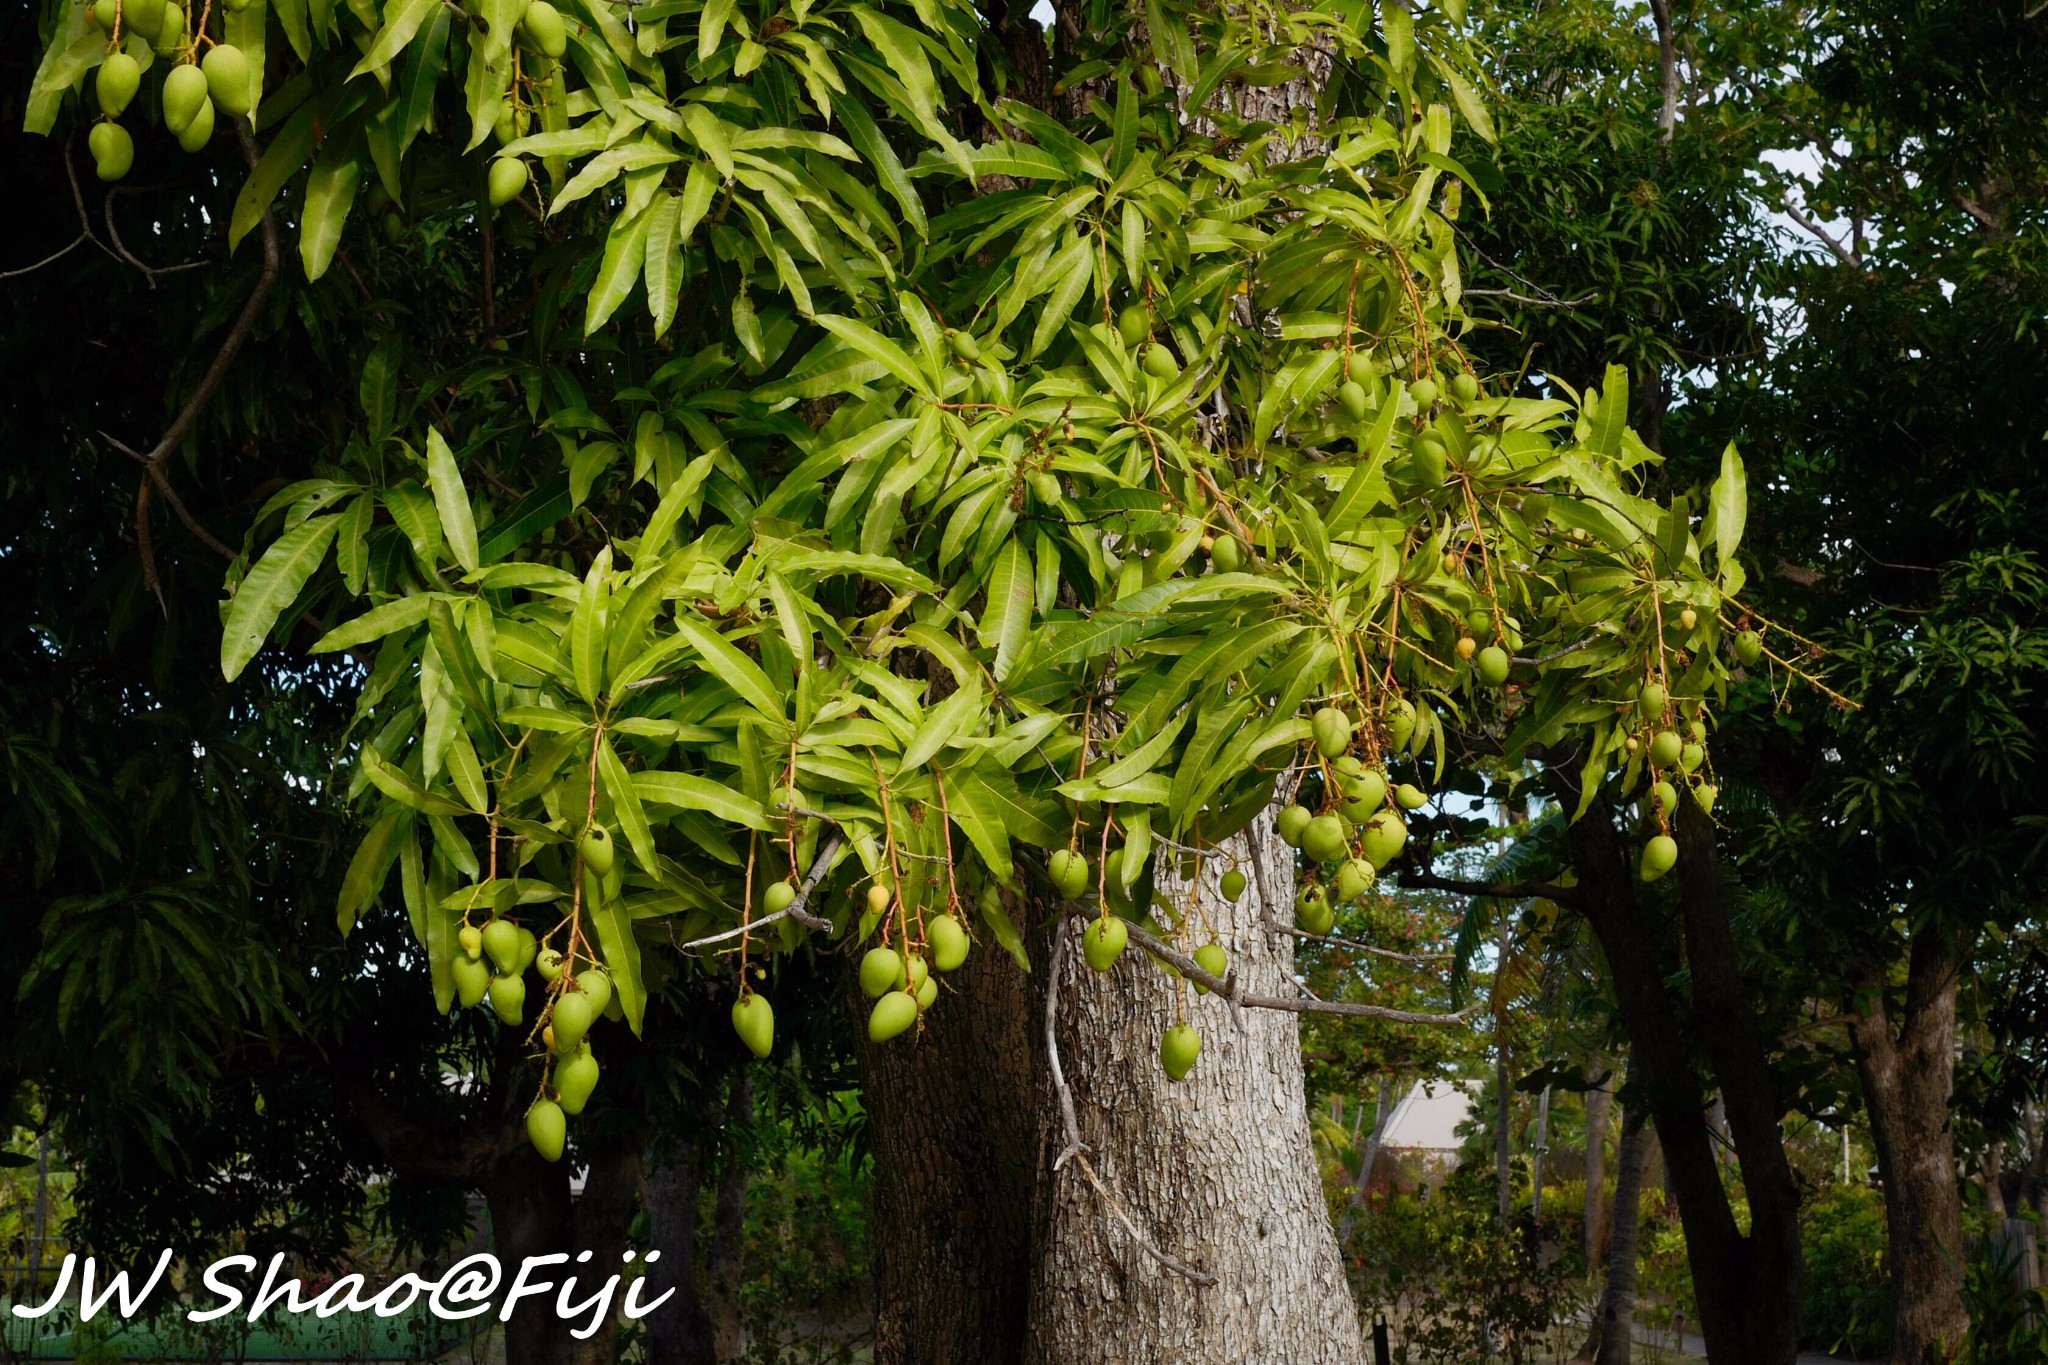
{"points": [[902, 985], [1357, 833], [578, 1003], [1676, 751], [194, 89], [543, 30]]}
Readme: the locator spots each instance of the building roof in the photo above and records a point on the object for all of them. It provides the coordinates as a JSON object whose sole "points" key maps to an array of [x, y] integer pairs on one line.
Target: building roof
{"points": [[1428, 1116]]}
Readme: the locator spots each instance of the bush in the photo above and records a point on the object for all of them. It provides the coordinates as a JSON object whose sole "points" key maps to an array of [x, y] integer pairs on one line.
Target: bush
{"points": [[1848, 1298]]}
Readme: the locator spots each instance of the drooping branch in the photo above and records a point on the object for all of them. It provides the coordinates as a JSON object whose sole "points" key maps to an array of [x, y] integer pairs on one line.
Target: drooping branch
{"points": [[209, 384], [1076, 1149], [797, 909]]}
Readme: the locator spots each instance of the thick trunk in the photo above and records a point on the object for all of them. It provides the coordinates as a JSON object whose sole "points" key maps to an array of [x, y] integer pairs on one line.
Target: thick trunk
{"points": [[1599, 1110], [679, 1333], [1216, 1172], [603, 1216], [1749, 1287], [955, 1145], [1907, 1070], [729, 1224], [528, 1198]]}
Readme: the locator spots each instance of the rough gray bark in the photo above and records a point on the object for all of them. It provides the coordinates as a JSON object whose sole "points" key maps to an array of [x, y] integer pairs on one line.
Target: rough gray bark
{"points": [[1216, 1171], [1907, 1068], [729, 1225], [1538, 1150], [1599, 1111], [679, 1332]]}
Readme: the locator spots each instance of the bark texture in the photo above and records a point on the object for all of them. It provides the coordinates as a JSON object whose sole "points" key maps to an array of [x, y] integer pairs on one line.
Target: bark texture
{"points": [[679, 1333], [1216, 1171], [729, 1223], [1599, 1109], [602, 1215], [955, 1143], [1907, 1069], [1613, 1337]]}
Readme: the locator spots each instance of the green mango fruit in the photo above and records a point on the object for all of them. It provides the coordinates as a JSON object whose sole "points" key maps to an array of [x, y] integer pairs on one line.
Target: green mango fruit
{"points": [[571, 1019], [916, 971], [528, 946], [928, 994], [1663, 797], [1357, 368], [1366, 791], [596, 985], [144, 17], [1651, 700], [119, 77], [500, 939], [1323, 840], [170, 34], [1104, 941], [1423, 391], [227, 78], [1045, 486], [1227, 555], [1660, 855], [1233, 885], [1289, 824], [471, 940], [575, 1078], [778, 897], [965, 346], [103, 14], [1211, 958], [1159, 362], [1134, 324], [1354, 879], [1178, 1051], [878, 899], [1464, 388], [1408, 796], [1690, 757], [1332, 730], [880, 970], [949, 942], [892, 1014], [1493, 665], [508, 998], [200, 131], [1383, 839], [1704, 795], [507, 180], [600, 854], [1427, 466], [1401, 723], [1351, 398], [613, 1010], [472, 981], [1312, 911], [548, 963], [753, 1018], [113, 151], [1749, 647], [543, 27], [546, 1129], [1665, 748], [1069, 873]]}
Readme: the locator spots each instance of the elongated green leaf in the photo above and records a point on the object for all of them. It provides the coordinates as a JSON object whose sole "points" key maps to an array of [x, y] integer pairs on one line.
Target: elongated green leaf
{"points": [[731, 667], [621, 957], [395, 784], [371, 865], [588, 628], [451, 500], [626, 804], [686, 791], [400, 24], [288, 151], [1006, 620], [625, 254], [271, 586], [401, 613], [877, 348], [330, 191]]}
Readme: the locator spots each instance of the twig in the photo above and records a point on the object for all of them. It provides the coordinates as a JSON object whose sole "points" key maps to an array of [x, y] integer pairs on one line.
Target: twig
{"points": [[1358, 947], [1229, 988], [1076, 1148], [795, 910], [1511, 891], [209, 384], [1512, 297], [58, 255], [1841, 253]]}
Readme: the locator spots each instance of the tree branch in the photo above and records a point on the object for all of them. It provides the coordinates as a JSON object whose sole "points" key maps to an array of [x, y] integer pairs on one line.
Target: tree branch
{"points": [[795, 910], [1508, 891], [209, 384], [1667, 65], [1841, 252]]}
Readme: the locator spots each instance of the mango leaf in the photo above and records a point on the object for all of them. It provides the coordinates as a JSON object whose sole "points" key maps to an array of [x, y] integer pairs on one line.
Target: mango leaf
{"points": [[271, 586], [626, 805], [731, 667], [401, 613], [451, 500], [370, 866], [621, 955], [686, 791]]}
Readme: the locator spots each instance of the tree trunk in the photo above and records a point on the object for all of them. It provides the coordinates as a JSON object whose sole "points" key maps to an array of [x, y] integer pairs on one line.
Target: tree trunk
{"points": [[1614, 1319], [1382, 1115], [1599, 1110], [1907, 1070], [1538, 1150], [1216, 1171], [679, 1333], [955, 1143], [603, 1216], [1991, 1178], [729, 1223], [528, 1198], [1750, 1287]]}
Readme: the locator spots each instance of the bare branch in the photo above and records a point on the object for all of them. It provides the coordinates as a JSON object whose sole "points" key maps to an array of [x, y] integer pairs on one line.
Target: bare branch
{"points": [[1076, 1148], [1508, 891], [1841, 252], [1357, 947], [796, 909], [1230, 989], [1512, 297], [76, 242], [1667, 64]]}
